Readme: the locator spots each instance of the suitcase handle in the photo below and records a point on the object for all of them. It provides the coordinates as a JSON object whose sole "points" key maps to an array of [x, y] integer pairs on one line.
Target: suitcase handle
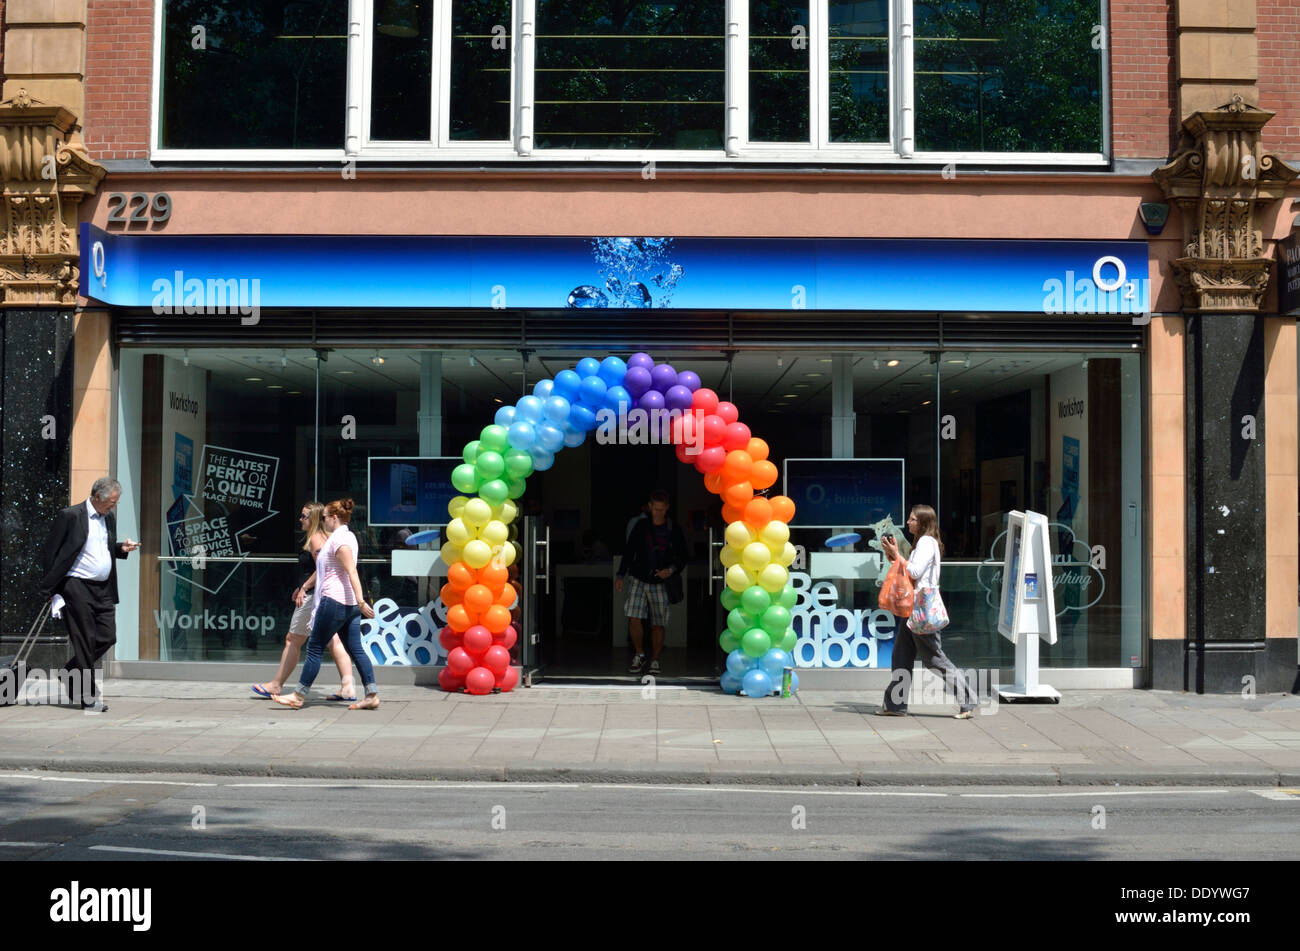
{"points": [[37, 626]]}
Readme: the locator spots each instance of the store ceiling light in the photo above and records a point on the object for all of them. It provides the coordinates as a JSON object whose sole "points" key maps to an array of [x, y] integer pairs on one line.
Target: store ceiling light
{"points": [[252, 379], [347, 372], [814, 375], [893, 363], [284, 359], [377, 359], [274, 386], [186, 359], [876, 363]]}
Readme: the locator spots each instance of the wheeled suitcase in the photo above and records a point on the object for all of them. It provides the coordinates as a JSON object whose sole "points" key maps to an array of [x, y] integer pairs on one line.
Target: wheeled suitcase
{"points": [[13, 669]]}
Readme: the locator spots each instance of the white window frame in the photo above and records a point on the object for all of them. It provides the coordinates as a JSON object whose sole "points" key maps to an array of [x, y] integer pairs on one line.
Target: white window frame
{"points": [[520, 147]]}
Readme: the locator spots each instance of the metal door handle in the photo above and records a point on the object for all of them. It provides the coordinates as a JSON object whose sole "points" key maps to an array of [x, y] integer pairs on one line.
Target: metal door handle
{"points": [[546, 576]]}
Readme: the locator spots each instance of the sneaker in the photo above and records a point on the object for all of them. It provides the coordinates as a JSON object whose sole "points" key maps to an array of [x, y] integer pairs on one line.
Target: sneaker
{"points": [[638, 661], [963, 715], [654, 666]]}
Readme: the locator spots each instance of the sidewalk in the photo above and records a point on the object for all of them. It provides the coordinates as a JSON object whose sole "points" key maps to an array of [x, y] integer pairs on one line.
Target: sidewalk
{"points": [[601, 734]]}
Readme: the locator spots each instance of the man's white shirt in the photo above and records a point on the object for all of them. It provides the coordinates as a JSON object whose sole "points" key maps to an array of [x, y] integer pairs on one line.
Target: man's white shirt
{"points": [[95, 561]]}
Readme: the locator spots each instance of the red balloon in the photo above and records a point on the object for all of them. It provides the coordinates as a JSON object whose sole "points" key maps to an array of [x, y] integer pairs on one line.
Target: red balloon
{"points": [[728, 412], [712, 459], [449, 639], [480, 681], [506, 638], [450, 681], [477, 639], [684, 454], [736, 437], [509, 679], [459, 662], [713, 427], [704, 399], [496, 659]]}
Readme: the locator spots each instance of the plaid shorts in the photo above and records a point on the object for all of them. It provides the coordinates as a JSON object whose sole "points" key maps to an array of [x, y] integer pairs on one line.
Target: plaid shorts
{"points": [[642, 596]]}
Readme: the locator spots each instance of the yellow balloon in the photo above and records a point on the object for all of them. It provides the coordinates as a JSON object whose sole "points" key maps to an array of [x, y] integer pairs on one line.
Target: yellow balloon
{"points": [[739, 535], [775, 534], [773, 578], [505, 512], [738, 579], [494, 533], [477, 513], [503, 556], [450, 554], [456, 506], [729, 556], [788, 554], [477, 553], [755, 556], [458, 532]]}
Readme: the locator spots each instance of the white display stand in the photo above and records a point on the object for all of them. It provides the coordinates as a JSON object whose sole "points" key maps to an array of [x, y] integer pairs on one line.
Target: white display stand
{"points": [[1027, 608]]}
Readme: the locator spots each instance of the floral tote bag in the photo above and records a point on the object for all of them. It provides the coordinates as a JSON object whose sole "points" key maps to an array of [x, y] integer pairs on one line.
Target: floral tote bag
{"points": [[929, 614]]}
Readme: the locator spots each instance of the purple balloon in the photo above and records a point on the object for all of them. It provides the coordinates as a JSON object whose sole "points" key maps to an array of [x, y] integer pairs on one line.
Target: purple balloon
{"points": [[637, 380], [663, 377], [689, 379], [650, 399], [678, 397], [641, 360]]}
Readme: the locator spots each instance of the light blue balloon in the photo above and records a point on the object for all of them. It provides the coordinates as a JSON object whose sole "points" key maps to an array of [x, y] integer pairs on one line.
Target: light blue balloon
{"points": [[522, 435], [592, 391], [542, 460], [556, 409], [616, 395], [774, 663], [794, 681], [505, 416], [582, 417], [739, 663], [566, 385], [612, 370], [542, 388], [529, 408], [757, 683], [573, 437], [730, 683], [588, 366], [550, 437]]}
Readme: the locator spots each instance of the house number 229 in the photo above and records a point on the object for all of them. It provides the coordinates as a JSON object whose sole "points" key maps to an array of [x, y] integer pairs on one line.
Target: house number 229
{"points": [[138, 208]]}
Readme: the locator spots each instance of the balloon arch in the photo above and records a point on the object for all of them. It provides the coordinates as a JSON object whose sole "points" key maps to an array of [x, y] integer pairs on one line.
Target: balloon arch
{"points": [[620, 400]]}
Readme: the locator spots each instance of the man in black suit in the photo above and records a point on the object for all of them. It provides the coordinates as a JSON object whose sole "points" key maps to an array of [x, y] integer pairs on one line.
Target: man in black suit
{"points": [[79, 565]]}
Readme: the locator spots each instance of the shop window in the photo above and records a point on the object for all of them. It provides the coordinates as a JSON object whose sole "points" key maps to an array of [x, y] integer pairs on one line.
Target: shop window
{"points": [[480, 70], [401, 63], [779, 48], [858, 80]]}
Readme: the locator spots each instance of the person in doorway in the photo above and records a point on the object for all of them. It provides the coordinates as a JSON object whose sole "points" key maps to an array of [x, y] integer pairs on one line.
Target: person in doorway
{"points": [[339, 602], [654, 557], [923, 568], [79, 562], [309, 520]]}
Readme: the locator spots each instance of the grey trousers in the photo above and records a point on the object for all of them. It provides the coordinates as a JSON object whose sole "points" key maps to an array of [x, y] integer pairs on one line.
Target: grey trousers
{"points": [[906, 648]]}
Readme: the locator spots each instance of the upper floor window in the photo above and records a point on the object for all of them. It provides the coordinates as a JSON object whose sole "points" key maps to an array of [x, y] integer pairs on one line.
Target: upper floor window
{"points": [[731, 80]]}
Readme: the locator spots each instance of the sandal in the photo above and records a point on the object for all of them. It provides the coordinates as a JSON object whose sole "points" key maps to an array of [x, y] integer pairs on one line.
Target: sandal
{"points": [[338, 696], [963, 715], [293, 702]]}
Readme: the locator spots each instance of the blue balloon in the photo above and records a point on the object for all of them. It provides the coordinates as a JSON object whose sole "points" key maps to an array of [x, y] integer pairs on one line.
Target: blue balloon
{"points": [[556, 409], [550, 437], [573, 437], [730, 683], [529, 408], [588, 366], [794, 681], [582, 417], [566, 385], [774, 662], [592, 391], [542, 460], [616, 395], [542, 388], [521, 434], [612, 371], [757, 683], [505, 416], [739, 663], [689, 379]]}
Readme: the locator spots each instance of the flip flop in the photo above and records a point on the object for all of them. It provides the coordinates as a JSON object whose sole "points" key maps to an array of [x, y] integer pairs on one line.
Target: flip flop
{"points": [[338, 696], [262, 692]]}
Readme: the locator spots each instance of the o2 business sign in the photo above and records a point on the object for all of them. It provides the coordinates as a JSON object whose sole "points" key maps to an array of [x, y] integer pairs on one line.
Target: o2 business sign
{"points": [[845, 493]]}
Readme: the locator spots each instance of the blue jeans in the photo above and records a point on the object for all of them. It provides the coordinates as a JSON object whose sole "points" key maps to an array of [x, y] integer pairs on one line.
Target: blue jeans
{"points": [[345, 621]]}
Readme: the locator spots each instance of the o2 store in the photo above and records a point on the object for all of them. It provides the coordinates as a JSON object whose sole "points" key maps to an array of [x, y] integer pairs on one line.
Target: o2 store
{"points": [[981, 377]]}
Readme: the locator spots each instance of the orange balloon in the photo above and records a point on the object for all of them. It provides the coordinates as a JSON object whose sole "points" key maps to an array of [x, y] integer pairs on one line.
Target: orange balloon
{"points": [[478, 598], [496, 618], [757, 449], [460, 576], [458, 619], [782, 508], [451, 595], [732, 513], [713, 482], [758, 512], [494, 576], [763, 475], [738, 494], [509, 592], [737, 465]]}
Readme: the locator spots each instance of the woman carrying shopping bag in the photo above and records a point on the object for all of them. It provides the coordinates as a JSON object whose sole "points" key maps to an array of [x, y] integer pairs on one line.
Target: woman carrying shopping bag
{"points": [[929, 616]]}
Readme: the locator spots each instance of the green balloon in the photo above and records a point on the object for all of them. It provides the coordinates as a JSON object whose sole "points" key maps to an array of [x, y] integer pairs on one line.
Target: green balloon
{"points": [[789, 641], [755, 600], [788, 598], [519, 465], [756, 642], [494, 437], [470, 453], [494, 491], [465, 478], [490, 465], [739, 622], [728, 641], [730, 600], [775, 620], [516, 487]]}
